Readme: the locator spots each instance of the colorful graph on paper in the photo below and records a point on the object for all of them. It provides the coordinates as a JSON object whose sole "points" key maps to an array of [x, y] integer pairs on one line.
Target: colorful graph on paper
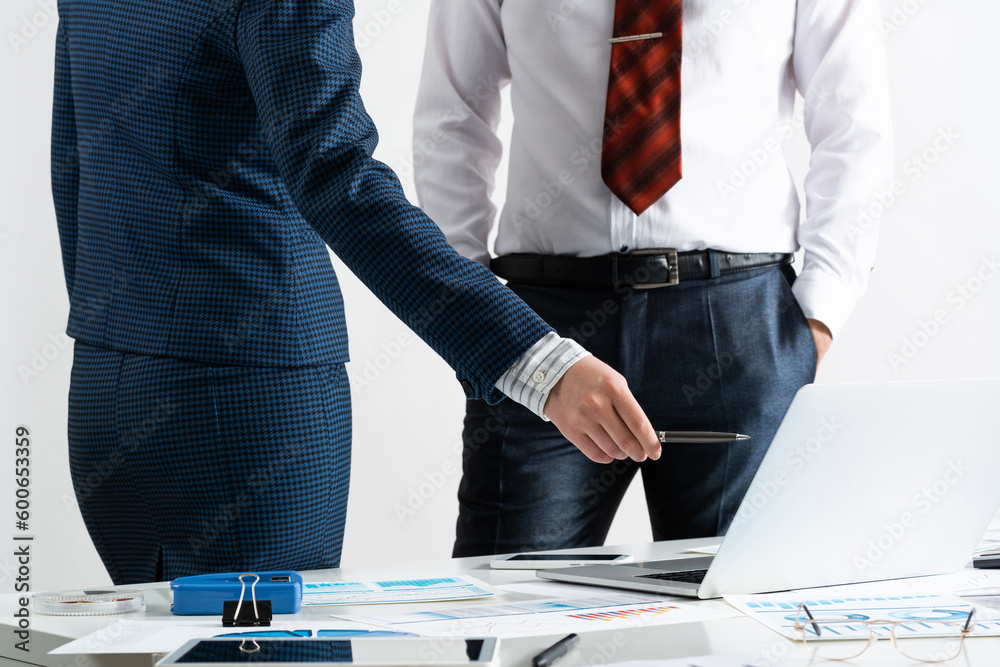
{"points": [[396, 590], [779, 611], [631, 612], [542, 616]]}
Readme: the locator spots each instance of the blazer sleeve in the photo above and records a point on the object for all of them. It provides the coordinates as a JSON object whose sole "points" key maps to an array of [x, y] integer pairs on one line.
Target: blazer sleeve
{"points": [[65, 163], [304, 72]]}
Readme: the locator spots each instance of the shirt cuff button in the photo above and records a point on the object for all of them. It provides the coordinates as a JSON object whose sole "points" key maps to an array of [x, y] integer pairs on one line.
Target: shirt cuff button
{"points": [[538, 377]]}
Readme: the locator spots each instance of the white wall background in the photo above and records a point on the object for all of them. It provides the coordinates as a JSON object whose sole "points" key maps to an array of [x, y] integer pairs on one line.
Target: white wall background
{"points": [[939, 236]]}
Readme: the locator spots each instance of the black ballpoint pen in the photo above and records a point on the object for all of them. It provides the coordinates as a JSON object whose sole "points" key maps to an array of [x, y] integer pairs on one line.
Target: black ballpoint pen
{"points": [[695, 437], [556, 651]]}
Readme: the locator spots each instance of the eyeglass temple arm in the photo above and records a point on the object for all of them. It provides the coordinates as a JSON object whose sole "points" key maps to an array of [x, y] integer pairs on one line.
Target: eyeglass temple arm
{"points": [[968, 621], [812, 620]]}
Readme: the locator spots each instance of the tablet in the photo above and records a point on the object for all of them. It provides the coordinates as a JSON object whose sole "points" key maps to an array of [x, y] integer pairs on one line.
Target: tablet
{"points": [[368, 652], [535, 560]]}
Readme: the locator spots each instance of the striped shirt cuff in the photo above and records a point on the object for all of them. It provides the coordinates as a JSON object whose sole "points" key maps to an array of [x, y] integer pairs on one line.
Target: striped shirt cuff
{"points": [[532, 377]]}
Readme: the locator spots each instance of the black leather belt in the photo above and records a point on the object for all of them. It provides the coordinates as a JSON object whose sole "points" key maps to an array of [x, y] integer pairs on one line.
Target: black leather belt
{"points": [[643, 269]]}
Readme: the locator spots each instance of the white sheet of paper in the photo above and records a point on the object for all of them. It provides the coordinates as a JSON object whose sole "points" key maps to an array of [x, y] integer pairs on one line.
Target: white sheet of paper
{"points": [[727, 660], [708, 549], [398, 590], [128, 636], [558, 589], [778, 611], [943, 584], [544, 616]]}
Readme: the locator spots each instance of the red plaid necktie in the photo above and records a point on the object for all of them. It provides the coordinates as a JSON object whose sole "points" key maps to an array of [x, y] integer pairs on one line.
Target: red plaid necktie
{"points": [[641, 158]]}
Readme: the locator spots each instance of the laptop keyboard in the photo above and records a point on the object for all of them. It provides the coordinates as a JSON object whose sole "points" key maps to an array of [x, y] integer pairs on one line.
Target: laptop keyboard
{"points": [[689, 576]]}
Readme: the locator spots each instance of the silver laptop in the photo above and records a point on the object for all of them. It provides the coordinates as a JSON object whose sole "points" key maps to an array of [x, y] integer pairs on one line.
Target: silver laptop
{"points": [[862, 482]]}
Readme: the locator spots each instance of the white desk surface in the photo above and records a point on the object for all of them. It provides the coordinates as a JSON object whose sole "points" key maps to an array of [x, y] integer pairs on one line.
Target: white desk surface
{"points": [[733, 635]]}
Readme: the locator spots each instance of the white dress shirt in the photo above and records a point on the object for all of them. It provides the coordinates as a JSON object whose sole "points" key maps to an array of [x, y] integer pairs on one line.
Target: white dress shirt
{"points": [[531, 379], [743, 61]]}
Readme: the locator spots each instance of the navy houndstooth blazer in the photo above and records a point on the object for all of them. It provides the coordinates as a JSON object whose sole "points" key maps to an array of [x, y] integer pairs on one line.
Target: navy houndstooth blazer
{"points": [[205, 152]]}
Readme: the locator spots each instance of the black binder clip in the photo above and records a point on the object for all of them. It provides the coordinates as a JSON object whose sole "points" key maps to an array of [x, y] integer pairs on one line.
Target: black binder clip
{"points": [[234, 614]]}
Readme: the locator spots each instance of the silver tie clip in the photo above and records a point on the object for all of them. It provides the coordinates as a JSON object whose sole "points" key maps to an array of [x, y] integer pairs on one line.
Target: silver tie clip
{"points": [[635, 38]]}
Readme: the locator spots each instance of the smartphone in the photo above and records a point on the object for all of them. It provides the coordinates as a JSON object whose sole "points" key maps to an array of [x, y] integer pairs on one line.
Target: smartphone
{"points": [[534, 561], [298, 651], [986, 560]]}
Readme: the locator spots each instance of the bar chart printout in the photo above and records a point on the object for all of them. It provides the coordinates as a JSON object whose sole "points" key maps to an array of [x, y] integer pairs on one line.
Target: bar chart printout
{"points": [[845, 617], [398, 590], [543, 616]]}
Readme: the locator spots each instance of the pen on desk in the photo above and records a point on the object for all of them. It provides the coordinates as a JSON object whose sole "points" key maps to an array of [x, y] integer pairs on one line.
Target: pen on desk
{"points": [[698, 437], [556, 651]]}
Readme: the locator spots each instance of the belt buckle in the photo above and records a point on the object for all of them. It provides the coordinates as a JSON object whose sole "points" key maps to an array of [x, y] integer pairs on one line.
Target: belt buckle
{"points": [[673, 272]]}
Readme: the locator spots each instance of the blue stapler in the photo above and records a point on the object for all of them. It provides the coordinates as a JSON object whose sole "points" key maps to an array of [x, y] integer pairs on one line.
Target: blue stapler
{"points": [[205, 594]]}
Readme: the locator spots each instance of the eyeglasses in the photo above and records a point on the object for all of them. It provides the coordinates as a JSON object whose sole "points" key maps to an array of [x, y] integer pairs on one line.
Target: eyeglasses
{"points": [[917, 639]]}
